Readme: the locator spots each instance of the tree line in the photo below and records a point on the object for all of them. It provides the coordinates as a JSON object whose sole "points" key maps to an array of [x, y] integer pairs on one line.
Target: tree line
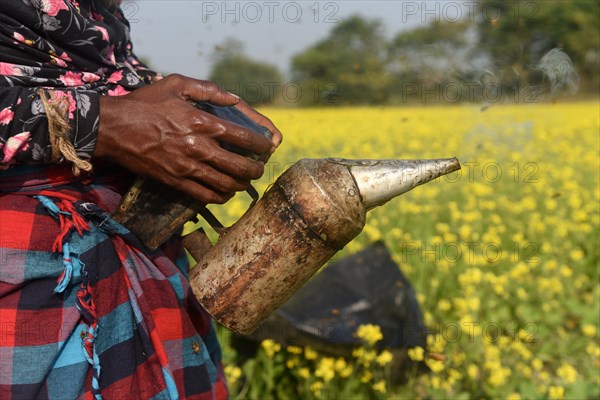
{"points": [[511, 57]]}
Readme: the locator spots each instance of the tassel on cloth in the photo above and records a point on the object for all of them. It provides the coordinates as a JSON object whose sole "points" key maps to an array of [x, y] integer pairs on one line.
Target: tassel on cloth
{"points": [[71, 221], [68, 218], [70, 261], [86, 307]]}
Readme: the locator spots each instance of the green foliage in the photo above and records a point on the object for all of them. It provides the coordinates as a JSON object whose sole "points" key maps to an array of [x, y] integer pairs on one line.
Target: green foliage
{"points": [[501, 45], [352, 58], [296, 372], [429, 50], [252, 80], [524, 31], [433, 53]]}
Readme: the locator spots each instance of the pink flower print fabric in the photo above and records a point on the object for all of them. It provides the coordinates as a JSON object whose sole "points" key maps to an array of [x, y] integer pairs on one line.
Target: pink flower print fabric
{"points": [[80, 50]]}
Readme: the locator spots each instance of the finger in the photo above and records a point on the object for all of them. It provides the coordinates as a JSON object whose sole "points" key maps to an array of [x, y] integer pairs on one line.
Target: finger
{"points": [[200, 192], [261, 120], [198, 90], [237, 166], [237, 135], [219, 181], [277, 135]]}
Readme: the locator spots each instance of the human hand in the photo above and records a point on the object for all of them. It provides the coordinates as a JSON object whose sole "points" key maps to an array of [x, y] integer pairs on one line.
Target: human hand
{"points": [[155, 132]]}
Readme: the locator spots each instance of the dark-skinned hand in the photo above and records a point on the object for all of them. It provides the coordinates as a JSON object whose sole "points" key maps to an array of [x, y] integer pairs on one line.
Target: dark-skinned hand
{"points": [[155, 132]]}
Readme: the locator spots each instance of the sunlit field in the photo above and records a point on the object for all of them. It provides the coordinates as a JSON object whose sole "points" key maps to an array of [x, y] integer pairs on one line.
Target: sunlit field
{"points": [[503, 255]]}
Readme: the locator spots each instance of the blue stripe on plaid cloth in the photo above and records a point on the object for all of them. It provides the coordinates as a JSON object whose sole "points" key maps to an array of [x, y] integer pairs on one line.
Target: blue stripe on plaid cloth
{"points": [[86, 311]]}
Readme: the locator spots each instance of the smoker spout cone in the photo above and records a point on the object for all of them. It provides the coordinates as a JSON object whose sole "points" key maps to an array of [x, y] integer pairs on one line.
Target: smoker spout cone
{"points": [[379, 181]]}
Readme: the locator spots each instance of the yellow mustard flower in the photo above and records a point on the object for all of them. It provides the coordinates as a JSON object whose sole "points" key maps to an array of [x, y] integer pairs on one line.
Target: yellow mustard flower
{"points": [[576, 254], [310, 354], [459, 357], [416, 353], [316, 388], [522, 350], [498, 376], [346, 372], [326, 369], [522, 294], [292, 362], [526, 371], [436, 343], [380, 386], [270, 347], [566, 271], [593, 349], [366, 377], [567, 372], [556, 392], [444, 305], [233, 373], [358, 352], [294, 350], [454, 375], [473, 371], [544, 376], [303, 372], [384, 358], [368, 357], [589, 330], [340, 364], [473, 303], [442, 228], [369, 333], [435, 365]]}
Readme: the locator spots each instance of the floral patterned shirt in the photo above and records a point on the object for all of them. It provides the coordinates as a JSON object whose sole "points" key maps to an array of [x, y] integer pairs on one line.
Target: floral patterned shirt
{"points": [[78, 49]]}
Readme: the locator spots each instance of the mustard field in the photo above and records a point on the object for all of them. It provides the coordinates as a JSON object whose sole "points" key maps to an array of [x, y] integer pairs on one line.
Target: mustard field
{"points": [[503, 254]]}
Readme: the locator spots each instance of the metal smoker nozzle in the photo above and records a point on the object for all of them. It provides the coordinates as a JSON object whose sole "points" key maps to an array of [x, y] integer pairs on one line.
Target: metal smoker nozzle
{"points": [[379, 181]]}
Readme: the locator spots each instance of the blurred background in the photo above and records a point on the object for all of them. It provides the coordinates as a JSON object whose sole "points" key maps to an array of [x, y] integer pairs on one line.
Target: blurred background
{"points": [[375, 52], [499, 262]]}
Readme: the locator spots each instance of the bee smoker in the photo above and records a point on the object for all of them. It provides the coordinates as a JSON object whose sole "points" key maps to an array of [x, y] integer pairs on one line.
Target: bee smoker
{"points": [[313, 210]]}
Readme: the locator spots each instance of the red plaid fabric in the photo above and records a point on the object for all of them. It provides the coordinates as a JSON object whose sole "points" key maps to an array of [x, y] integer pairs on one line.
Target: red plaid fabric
{"points": [[85, 311]]}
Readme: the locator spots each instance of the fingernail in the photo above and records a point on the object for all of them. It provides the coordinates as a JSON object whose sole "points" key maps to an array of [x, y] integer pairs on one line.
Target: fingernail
{"points": [[272, 150], [234, 95]]}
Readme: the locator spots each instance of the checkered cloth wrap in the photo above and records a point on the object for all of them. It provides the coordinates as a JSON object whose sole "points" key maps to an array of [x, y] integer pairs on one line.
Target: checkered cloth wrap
{"points": [[85, 312]]}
